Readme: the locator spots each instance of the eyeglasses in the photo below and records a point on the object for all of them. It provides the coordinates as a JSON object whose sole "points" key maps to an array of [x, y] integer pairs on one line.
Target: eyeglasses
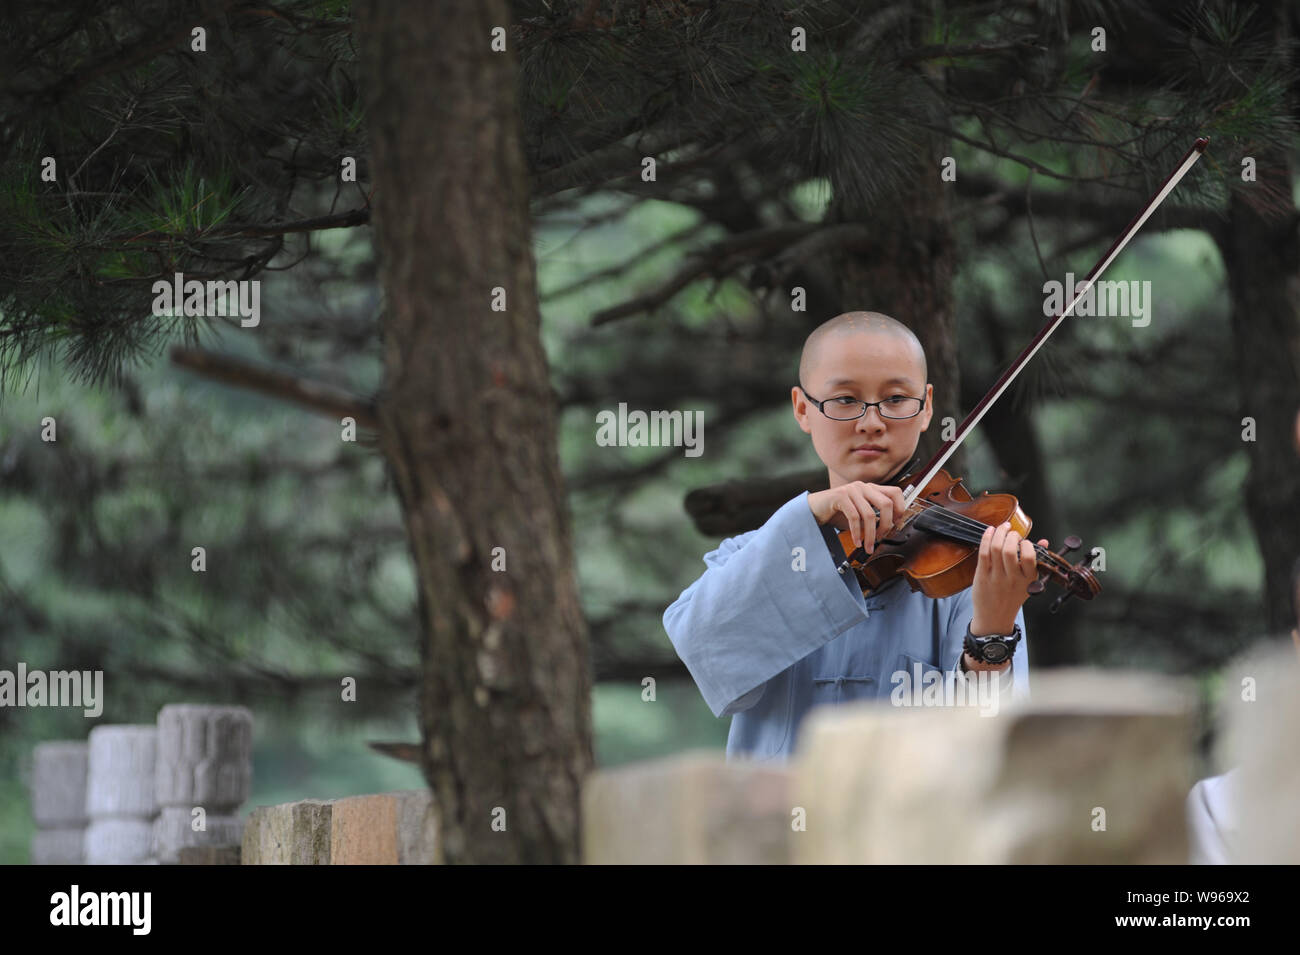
{"points": [[845, 408]]}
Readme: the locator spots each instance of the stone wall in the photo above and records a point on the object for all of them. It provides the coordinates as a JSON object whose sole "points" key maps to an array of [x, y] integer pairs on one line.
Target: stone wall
{"points": [[138, 795], [1096, 767]]}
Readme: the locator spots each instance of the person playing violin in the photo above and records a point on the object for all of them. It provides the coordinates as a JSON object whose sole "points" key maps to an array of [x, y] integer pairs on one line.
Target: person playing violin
{"points": [[770, 628]]}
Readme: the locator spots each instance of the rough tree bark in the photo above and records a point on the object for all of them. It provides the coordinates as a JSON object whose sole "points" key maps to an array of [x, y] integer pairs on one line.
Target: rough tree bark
{"points": [[1263, 264], [467, 423]]}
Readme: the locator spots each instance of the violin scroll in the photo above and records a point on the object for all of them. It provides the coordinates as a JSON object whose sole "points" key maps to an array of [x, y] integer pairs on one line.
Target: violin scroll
{"points": [[1076, 580]]}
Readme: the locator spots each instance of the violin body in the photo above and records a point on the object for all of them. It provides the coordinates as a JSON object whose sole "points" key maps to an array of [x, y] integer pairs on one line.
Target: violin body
{"points": [[936, 565], [934, 546]]}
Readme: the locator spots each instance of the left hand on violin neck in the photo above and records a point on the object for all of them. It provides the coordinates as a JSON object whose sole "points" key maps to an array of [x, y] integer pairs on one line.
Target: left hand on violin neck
{"points": [[1007, 566]]}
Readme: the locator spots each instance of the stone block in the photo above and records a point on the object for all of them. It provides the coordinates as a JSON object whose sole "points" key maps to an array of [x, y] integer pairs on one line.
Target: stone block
{"points": [[394, 828], [691, 809], [58, 787], [173, 830], [294, 833], [417, 828], [59, 846], [120, 771], [208, 855], [1094, 768], [119, 841], [204, 756]]}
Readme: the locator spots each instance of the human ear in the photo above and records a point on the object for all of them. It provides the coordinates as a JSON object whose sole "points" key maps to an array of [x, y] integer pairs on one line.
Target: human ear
{"points": [[800, 409]]}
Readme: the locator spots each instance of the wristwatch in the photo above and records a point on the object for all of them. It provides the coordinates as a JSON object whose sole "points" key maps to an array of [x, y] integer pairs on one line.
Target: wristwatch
{"points": [[995, 648]]}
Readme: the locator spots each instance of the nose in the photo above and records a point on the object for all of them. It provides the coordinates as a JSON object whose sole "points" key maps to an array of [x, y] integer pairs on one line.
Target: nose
{"points": [[865, 423]]}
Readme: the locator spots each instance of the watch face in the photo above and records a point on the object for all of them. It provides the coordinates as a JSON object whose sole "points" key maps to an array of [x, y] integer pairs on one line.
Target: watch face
{"points": [[995, 652]]}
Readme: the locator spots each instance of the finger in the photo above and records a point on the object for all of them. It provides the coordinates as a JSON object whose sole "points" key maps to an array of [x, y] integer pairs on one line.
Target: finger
{"points": [[895, 495], [995, 546], [867, 512], [1011, 553], [850, 512], [1028, 560], [986, 550], [881, 505]]}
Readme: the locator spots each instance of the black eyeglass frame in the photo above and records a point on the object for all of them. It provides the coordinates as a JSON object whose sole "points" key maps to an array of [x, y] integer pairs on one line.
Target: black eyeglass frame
{"points": [[878, 405]]}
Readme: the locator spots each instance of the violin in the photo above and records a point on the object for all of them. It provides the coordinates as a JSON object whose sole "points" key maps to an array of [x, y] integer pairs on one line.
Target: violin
{"points": [[934, 545]]}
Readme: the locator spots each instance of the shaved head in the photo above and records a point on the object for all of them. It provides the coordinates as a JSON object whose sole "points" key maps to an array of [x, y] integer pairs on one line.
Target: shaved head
{"points": [[871, 358], [856, 323]]}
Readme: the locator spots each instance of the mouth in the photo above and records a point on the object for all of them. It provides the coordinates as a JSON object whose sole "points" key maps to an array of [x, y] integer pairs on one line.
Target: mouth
{"points": [[868, 451]]}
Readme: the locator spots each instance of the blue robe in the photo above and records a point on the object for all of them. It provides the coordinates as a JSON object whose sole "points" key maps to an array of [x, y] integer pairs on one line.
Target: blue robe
{"points": [[766, 641]]}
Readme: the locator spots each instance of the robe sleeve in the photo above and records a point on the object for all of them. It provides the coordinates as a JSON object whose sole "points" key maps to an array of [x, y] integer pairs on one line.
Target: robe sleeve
{"points": [[761, 605]]}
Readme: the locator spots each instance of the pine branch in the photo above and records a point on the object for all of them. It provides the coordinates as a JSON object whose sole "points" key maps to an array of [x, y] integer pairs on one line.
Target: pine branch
{"points": [[339, 220], [1072, 205], [599, 165], [117, 61], [1023, 160], [718, 260], [942, 52], [316, 396]]}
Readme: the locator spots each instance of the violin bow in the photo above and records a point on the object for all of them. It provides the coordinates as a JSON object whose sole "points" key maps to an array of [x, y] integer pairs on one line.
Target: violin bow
{"points": [[945, 451]]}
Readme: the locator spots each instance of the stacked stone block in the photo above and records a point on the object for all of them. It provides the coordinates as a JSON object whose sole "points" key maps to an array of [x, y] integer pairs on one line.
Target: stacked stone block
{"points": [[120, 800], [58, 793], [204, 763]]}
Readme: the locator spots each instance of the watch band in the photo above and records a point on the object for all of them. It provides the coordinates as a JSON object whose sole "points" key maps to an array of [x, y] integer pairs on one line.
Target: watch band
{"points": [[977, 646]]}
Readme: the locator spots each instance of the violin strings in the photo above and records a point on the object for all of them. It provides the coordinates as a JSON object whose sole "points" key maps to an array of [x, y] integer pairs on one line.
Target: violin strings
{"points": [[954, 519], [937, 514], [963, 528], [967, 529], [971, 531], [952, 522]]}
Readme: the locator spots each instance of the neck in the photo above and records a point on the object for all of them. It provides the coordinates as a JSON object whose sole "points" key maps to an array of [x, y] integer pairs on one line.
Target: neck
{"points": [[903, 471]]}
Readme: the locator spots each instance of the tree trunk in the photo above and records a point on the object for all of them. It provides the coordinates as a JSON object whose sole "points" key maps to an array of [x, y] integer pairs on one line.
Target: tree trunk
{"points": [[468, 427], [1263, 264]]}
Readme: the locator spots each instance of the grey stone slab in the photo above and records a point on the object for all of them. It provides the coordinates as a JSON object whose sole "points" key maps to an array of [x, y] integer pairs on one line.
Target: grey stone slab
{"points": [[58, 785], [204, 756], [691, 809], [120, 771]]}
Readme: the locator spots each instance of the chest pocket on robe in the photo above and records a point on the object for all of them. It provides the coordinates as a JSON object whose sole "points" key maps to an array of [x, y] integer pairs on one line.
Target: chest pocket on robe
{"points": [[917, 670], [920, 663], [842, 689]]}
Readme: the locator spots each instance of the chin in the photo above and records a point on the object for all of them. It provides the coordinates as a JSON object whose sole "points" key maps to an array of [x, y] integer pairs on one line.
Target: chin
{"points": [[871, 472]]}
